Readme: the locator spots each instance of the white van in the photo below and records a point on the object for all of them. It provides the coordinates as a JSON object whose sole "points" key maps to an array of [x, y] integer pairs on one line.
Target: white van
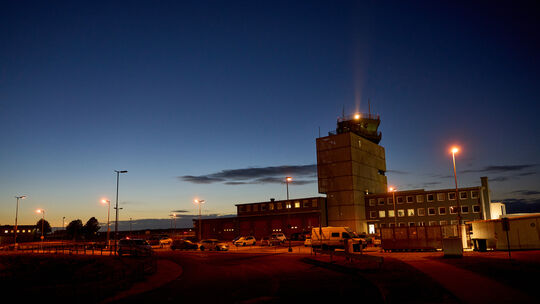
{"points": [[334, 237]]}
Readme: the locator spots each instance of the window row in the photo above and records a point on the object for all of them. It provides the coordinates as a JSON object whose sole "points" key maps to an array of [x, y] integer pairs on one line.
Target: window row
{"points": [[18, 231], [414, 224], [422, 211], [430, 197], [277, 206]]}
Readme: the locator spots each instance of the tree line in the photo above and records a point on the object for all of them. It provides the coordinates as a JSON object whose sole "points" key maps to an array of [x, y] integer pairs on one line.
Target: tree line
{"points": [[74, 230]]}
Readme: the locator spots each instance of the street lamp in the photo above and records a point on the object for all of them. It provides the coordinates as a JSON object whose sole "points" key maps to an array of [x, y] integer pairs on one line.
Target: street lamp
{"points": [[199, 202], [393, 190], [173, 216], [288, 179], [106, 201], [454, 151], [42, 224], [16, 216], [116, 222]]}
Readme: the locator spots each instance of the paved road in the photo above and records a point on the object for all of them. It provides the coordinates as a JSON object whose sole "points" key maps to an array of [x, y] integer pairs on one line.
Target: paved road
{"points": [[243, 277]]}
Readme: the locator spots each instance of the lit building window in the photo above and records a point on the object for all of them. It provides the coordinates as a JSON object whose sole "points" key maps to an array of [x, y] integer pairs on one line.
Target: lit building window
{"points": [[410, 212], [288, 206], [401, 213], [271, 206], [297, 204], [391, 213], [382, 213]]}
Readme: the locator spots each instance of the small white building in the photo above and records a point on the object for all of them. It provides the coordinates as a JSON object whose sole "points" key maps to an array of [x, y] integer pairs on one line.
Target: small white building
{"points": [[523, 233]]}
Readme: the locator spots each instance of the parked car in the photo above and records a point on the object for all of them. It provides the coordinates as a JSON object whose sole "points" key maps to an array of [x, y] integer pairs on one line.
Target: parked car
{"points": [[269, 241], [160, 240], [279, 236], [307, 242], [164, 240], [213, 244], [134, 247], [245, 241], [183, 245]]}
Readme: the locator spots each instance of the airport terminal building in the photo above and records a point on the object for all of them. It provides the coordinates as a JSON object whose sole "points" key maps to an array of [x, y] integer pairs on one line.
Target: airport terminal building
{"points": [[351, 167]]}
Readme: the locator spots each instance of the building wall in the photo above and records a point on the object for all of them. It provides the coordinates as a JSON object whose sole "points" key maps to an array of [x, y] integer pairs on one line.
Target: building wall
{"points": [[264, 218], [424, 208], [258, 226], [348, 166]]}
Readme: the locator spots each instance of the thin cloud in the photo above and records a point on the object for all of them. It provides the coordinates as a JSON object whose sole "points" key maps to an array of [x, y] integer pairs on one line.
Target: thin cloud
{"points": [[302, 174], [500, 169], [396, 172], [526, 192]]}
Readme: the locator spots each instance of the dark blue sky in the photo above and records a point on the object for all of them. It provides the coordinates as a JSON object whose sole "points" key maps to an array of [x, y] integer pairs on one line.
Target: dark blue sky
{"points": [[219, 99]]}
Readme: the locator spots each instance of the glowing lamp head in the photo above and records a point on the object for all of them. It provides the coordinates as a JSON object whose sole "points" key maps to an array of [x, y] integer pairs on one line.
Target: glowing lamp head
{"points": [[356, 116], [288, 179], [455, 150], [40, 211], [391, 189], [105, 201]]}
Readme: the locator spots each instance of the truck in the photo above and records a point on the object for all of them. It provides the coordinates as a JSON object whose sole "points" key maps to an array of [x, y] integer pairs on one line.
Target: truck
{"points": [[330, 238]]}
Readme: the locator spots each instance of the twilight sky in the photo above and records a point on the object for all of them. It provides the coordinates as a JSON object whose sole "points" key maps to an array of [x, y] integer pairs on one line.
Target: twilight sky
{"points": [[221, 100]]}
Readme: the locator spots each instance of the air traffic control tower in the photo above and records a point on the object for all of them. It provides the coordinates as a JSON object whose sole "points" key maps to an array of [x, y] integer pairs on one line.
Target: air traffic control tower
{"points": [[350, 164]]}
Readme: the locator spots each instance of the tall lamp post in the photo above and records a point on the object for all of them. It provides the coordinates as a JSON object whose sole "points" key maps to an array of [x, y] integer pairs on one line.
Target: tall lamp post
{"points": [[42, 224], [199, 202], [108, 202], [454, 151], [16, 217], [393, 190], [116, 221], [288, 179]]}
